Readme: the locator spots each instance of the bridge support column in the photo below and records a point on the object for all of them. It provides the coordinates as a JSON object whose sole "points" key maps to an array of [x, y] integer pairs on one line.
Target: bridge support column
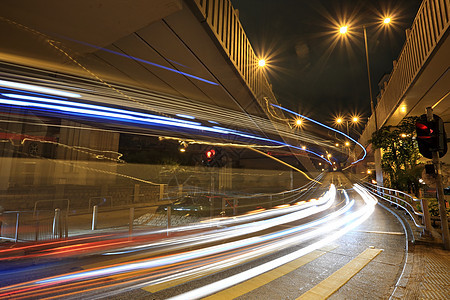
{"points": [[378, 169]]}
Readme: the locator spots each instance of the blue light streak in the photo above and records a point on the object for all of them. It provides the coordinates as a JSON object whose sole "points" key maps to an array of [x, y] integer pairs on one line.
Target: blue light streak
{"points": [[95, 107], [115, 114], [142, 61], [328, 127]]}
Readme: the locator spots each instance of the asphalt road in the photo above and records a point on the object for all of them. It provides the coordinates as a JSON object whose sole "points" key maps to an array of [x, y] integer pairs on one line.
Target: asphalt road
{"points": [[311, 256]]}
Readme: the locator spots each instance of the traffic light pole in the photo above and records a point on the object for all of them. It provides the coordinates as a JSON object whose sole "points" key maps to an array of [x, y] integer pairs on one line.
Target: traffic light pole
{"points": [[440, 191]]}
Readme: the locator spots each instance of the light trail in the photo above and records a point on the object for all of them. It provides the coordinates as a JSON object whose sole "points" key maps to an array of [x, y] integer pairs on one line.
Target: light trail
{"points": [[328, 127], [250, 225], [214, 258], [120, 115], [35, 88], [348, 223], [174, 259]]}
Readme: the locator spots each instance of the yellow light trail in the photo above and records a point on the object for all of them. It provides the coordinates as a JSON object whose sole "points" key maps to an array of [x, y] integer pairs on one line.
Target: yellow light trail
{"points": [[284, 163]]}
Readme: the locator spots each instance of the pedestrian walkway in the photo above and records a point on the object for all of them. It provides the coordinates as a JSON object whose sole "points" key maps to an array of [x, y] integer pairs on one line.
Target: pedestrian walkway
{"points": [[427, 270], [428, 276]]}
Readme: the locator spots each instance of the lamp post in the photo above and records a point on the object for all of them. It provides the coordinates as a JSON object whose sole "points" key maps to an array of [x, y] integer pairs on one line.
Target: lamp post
{"points": [[344, 30], [372, 107], [352, 119], [377, 153]]}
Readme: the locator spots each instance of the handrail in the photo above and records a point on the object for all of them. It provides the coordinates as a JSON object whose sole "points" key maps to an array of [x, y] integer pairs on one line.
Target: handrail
{"points": [[396, 191], [51, 200], [379, 192]]}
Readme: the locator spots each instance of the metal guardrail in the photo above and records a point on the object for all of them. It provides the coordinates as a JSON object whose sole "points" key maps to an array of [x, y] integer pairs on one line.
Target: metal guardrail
{"points": [[404, 201], [430, 25]]}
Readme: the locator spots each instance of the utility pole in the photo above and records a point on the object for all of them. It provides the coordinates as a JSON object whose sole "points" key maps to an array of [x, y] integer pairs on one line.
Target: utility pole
{"points": [[440, 190]]}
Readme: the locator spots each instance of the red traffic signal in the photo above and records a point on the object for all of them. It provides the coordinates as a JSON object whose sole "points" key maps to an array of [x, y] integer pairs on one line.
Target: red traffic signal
{"points": [[431, 136], [210, 154]]}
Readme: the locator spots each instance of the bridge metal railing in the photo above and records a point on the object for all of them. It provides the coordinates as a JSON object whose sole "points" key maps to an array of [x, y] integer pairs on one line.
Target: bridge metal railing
{"points": [[430, 25], [406, 202], [223, 21]]}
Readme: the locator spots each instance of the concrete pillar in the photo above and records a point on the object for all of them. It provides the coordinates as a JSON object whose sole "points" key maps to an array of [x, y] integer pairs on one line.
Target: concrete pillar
{"points": [[378, 169], [136, 193]]}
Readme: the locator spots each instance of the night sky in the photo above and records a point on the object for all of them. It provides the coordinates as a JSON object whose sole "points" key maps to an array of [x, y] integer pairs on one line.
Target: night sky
{"points": [[311, 70]]}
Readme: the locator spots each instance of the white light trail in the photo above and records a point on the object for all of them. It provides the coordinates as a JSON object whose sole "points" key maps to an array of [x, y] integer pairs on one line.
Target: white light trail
{"points": [[35, 88], [349, 222]]}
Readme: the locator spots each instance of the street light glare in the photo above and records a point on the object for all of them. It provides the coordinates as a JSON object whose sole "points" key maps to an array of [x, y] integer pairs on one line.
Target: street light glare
{"points": [[339, 120], [387, 20], [298, 122], [355, 119], [261, 62], [343, 29]]}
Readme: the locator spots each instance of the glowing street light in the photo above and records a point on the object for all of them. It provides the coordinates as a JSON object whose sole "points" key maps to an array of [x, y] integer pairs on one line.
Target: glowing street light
{"points": [[343, 29], [345, 120], [262, 62]]}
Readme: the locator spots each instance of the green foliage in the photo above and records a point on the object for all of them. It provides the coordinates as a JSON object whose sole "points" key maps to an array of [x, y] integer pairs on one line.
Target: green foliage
{"points": [[400, 155], [433, 207]]}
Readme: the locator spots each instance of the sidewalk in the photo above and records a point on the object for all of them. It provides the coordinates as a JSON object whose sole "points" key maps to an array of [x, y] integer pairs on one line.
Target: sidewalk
{"points": [[427, 270]]}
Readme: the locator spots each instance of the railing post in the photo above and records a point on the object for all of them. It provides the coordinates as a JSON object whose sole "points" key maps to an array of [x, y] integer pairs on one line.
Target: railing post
{"points": [[426, 217], [169, 216], [161, 191], [16, 235], [56, 222], [223, 204], [66, 224], [180, 190], [131, 220], [235, 204], [94, 217], [136, 193], [36, 228]]}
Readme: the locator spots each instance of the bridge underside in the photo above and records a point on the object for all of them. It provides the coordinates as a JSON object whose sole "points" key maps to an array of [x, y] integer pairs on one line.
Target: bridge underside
{"points": [[162, 47]]}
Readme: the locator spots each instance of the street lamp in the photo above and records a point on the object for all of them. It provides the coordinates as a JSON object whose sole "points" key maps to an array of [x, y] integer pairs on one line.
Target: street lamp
{"points": [[262, 62], [352, 119], [344, 30], [377, 152]]}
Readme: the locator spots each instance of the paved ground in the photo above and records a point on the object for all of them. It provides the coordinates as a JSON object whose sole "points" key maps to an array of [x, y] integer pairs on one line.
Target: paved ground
{"points": [[427, 271], [425, 275]]}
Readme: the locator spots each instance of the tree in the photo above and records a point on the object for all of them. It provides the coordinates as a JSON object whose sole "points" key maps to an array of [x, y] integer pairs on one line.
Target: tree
{"points": [[400, 155]]}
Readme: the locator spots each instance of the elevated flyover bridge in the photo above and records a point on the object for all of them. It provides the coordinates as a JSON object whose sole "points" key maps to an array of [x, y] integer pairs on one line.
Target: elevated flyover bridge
{"points": [[188, 58]]}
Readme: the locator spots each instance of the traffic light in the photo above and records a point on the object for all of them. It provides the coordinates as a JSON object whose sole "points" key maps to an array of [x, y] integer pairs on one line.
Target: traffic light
{"points": [[210, 154], [214, 157], [431, 136], [209, 157]]}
